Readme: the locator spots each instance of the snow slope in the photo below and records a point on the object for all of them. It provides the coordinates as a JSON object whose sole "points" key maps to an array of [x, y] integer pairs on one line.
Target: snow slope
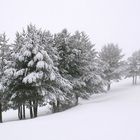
{"points": [[111, 116]]}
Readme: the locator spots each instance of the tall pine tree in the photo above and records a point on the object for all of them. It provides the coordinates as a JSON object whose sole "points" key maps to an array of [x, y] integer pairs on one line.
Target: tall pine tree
{"points": [[110, 59], [78, 63]]}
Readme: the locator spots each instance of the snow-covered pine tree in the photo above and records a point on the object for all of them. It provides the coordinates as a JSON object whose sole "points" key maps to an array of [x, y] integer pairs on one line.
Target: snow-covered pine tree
{"points": [[87, 75], [35, 76], [133, 66], [61, 43], [78, 63], [110, 59], [4, 49], [16, 72], [57, 89]]}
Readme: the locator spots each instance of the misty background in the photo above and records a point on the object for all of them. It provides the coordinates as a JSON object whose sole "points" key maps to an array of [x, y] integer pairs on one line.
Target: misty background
{"points": [[104, 21]]}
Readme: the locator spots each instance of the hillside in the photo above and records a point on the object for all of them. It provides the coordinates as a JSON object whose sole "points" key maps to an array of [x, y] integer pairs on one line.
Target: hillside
{"points": [[110, 116]]}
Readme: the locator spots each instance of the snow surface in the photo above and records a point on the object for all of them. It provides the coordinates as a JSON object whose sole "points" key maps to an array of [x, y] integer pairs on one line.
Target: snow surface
{"points": [[110, 116]]}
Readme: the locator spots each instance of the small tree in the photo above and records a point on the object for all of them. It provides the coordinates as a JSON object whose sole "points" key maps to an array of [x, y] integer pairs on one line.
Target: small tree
{"points": [[110, 59], [133, 66]]}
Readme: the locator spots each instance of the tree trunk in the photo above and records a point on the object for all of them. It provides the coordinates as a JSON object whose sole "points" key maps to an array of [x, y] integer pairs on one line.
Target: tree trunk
{"points": [[35, 108], [20, 112], [58, 106], [24, 115], [0, 113], [54, 107], [108, 87], [77, 99], [31, 110], [133, 80]]}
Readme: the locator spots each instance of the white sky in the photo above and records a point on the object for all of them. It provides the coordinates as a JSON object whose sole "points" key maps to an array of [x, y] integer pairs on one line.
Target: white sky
{"points": [[105, 21]]}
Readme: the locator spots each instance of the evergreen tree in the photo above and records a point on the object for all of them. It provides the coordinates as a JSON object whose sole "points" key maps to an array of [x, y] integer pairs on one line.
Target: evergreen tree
{"points": [[110, 59], [35, 77], [78, 63], [133, 66], [57, 91]]}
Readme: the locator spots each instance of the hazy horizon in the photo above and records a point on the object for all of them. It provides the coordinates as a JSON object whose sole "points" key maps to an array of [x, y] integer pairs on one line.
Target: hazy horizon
{"points": [[104, 21]]}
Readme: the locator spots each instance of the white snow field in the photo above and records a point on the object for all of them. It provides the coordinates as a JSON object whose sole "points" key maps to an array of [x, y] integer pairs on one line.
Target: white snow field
{"points": [[110, 116]]}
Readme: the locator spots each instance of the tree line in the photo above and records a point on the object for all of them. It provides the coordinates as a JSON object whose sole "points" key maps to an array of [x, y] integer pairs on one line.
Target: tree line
{"points": [[41, 68]]}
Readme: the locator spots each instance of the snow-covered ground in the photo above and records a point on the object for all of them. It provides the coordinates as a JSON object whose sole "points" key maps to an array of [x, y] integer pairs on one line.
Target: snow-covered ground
{"points": [[110, 116]]}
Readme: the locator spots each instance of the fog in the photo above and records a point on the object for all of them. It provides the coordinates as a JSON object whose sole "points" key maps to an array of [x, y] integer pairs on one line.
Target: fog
{"points": [[104, 21]]}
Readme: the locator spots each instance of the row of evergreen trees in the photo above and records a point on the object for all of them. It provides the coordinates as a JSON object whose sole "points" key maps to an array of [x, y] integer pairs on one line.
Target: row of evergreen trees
{"points": [[41, 68]]}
